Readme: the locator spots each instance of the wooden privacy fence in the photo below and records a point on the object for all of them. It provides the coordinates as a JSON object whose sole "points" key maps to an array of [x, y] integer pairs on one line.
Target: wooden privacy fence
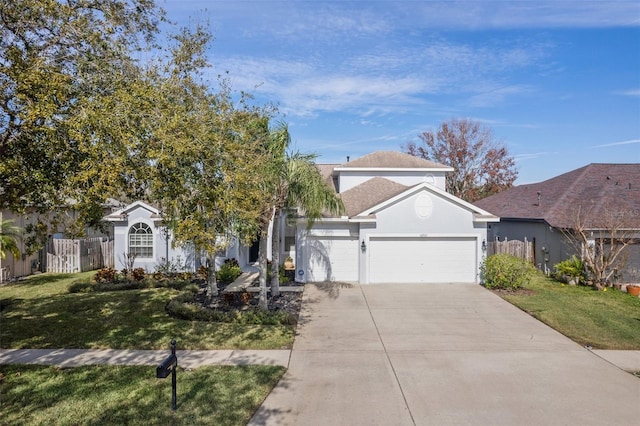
{"points": [[521, 249], [68, 256]]}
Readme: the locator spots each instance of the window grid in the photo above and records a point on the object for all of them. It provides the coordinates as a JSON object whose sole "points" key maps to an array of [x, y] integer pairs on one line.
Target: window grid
{"points": [[141, 241]]}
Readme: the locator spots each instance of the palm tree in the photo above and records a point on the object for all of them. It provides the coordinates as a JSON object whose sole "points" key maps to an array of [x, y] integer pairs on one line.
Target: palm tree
{"points": [[9, 234], [296, 183]]}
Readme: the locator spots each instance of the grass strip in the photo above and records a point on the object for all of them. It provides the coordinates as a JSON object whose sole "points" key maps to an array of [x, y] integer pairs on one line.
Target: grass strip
{"points": [[98, 395], [601, 319]]}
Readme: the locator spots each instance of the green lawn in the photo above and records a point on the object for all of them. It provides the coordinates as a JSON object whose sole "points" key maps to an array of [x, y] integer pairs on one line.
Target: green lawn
{"points": [[37, 395], [39, 313], [602, 319]]}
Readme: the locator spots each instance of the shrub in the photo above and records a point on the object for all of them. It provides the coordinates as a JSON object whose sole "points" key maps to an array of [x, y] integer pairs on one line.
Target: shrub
{"points": [[170, 267], [572, 268], [80, 287], [232, 262], [503, 271], [117, 286], [138, 274], [282, 275], [229, 271], [175, 284], [105, 275]]}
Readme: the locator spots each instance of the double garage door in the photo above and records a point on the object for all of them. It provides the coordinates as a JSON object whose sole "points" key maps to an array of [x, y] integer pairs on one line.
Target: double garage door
{"points": [[422, 260], [393, 259]]}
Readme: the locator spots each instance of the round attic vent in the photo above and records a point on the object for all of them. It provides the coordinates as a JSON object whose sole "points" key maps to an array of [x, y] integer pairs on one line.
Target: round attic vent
{"points": [[430, 179], [424, 206]]}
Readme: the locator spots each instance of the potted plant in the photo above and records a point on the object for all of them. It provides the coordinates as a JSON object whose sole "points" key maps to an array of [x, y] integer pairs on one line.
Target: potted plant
{"points": [[570, 270], [633, 289], [288, 263]]}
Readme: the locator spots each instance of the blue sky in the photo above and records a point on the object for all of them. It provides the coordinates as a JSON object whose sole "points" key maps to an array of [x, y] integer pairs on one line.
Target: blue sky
{"points": [[557, 82]]}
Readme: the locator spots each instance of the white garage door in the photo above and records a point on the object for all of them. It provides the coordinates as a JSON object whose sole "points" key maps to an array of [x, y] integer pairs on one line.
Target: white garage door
{"points": [[422, 260], [332, 259]]}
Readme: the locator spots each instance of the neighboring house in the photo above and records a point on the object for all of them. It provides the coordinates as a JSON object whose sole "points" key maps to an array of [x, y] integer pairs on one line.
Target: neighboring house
{"points": [[28, 264], [400, 226], [605, 195], [24, 265]]}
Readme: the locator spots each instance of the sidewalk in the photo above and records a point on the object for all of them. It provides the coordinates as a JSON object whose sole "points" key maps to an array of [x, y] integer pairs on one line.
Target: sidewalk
{"points": [[186, 359]]}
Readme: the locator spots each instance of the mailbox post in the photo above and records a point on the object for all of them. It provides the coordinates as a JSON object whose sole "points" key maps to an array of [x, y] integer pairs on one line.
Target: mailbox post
{"points": [[170, 365]]}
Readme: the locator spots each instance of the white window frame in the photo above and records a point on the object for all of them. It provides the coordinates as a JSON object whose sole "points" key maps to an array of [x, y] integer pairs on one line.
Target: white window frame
{"points": [[140, 241]]}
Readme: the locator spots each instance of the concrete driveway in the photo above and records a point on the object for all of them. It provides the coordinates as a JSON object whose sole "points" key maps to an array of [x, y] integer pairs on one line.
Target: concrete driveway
{"points": [[439, 354]]}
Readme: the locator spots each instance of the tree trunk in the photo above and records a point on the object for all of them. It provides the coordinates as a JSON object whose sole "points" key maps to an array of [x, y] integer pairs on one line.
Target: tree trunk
{"points": [[275, 255], [212, 284], [262, 262]]}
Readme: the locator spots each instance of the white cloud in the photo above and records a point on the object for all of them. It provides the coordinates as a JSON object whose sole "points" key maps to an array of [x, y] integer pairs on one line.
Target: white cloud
{"points": [[304, 20], [607, 145], [388, 79], [498, 95], [631, 92], [531, 156]]}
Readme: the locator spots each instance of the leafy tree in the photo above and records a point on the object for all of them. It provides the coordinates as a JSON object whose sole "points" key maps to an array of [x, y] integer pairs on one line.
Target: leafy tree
{"points": [[202, 155], [64, 66], [482, 166], [9, 234], [294, 181]]}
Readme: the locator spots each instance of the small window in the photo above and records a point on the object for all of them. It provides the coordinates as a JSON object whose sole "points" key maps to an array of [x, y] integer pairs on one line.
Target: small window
{"points": [[141, 241], [289, 244]]}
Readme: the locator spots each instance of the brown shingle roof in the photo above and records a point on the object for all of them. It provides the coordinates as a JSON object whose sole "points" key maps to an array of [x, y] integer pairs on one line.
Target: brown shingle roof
{"points": [[370, 193], [393, 159], [326, 170], [600, 191]]}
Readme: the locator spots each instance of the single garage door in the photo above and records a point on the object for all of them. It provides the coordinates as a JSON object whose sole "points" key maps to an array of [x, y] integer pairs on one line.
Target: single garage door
{"points": [[422, 260], [332, 259]]}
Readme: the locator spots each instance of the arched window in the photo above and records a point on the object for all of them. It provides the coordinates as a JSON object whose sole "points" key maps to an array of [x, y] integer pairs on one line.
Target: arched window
{"points": [[141, 240]]}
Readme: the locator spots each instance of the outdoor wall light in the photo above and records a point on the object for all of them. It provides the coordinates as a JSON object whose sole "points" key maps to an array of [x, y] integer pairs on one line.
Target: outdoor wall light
{"points": [[484, 245], [363, 246]]}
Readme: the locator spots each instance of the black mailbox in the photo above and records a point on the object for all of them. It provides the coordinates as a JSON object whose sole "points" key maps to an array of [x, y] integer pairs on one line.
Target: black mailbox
{"points": [[167, 366]]}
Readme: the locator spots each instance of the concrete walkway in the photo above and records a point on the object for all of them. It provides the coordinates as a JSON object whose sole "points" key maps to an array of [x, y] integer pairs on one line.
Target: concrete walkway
{"points": [[186, 359], [439, 355]]}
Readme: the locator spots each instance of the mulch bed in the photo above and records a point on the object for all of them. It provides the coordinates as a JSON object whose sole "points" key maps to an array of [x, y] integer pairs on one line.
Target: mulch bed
{"points": [[288, 301]]}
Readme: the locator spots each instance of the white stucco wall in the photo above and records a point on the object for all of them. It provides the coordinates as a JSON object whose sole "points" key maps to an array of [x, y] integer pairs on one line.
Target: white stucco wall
{"points": [[413, 217], [162, 245], [422, 214]]}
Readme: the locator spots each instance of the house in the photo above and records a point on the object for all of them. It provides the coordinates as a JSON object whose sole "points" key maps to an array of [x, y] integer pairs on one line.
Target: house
{"points": [[400, 226], [140, 234], [596, 197]]}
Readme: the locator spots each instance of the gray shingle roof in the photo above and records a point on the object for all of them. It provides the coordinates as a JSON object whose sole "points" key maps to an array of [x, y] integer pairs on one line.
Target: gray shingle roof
{"points": [[599, 190], [392, 159]]}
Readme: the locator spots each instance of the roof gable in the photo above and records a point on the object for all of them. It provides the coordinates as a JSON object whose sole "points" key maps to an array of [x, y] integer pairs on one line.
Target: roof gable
{"points": [[479, 214], [598, 190], [125, 211]]}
